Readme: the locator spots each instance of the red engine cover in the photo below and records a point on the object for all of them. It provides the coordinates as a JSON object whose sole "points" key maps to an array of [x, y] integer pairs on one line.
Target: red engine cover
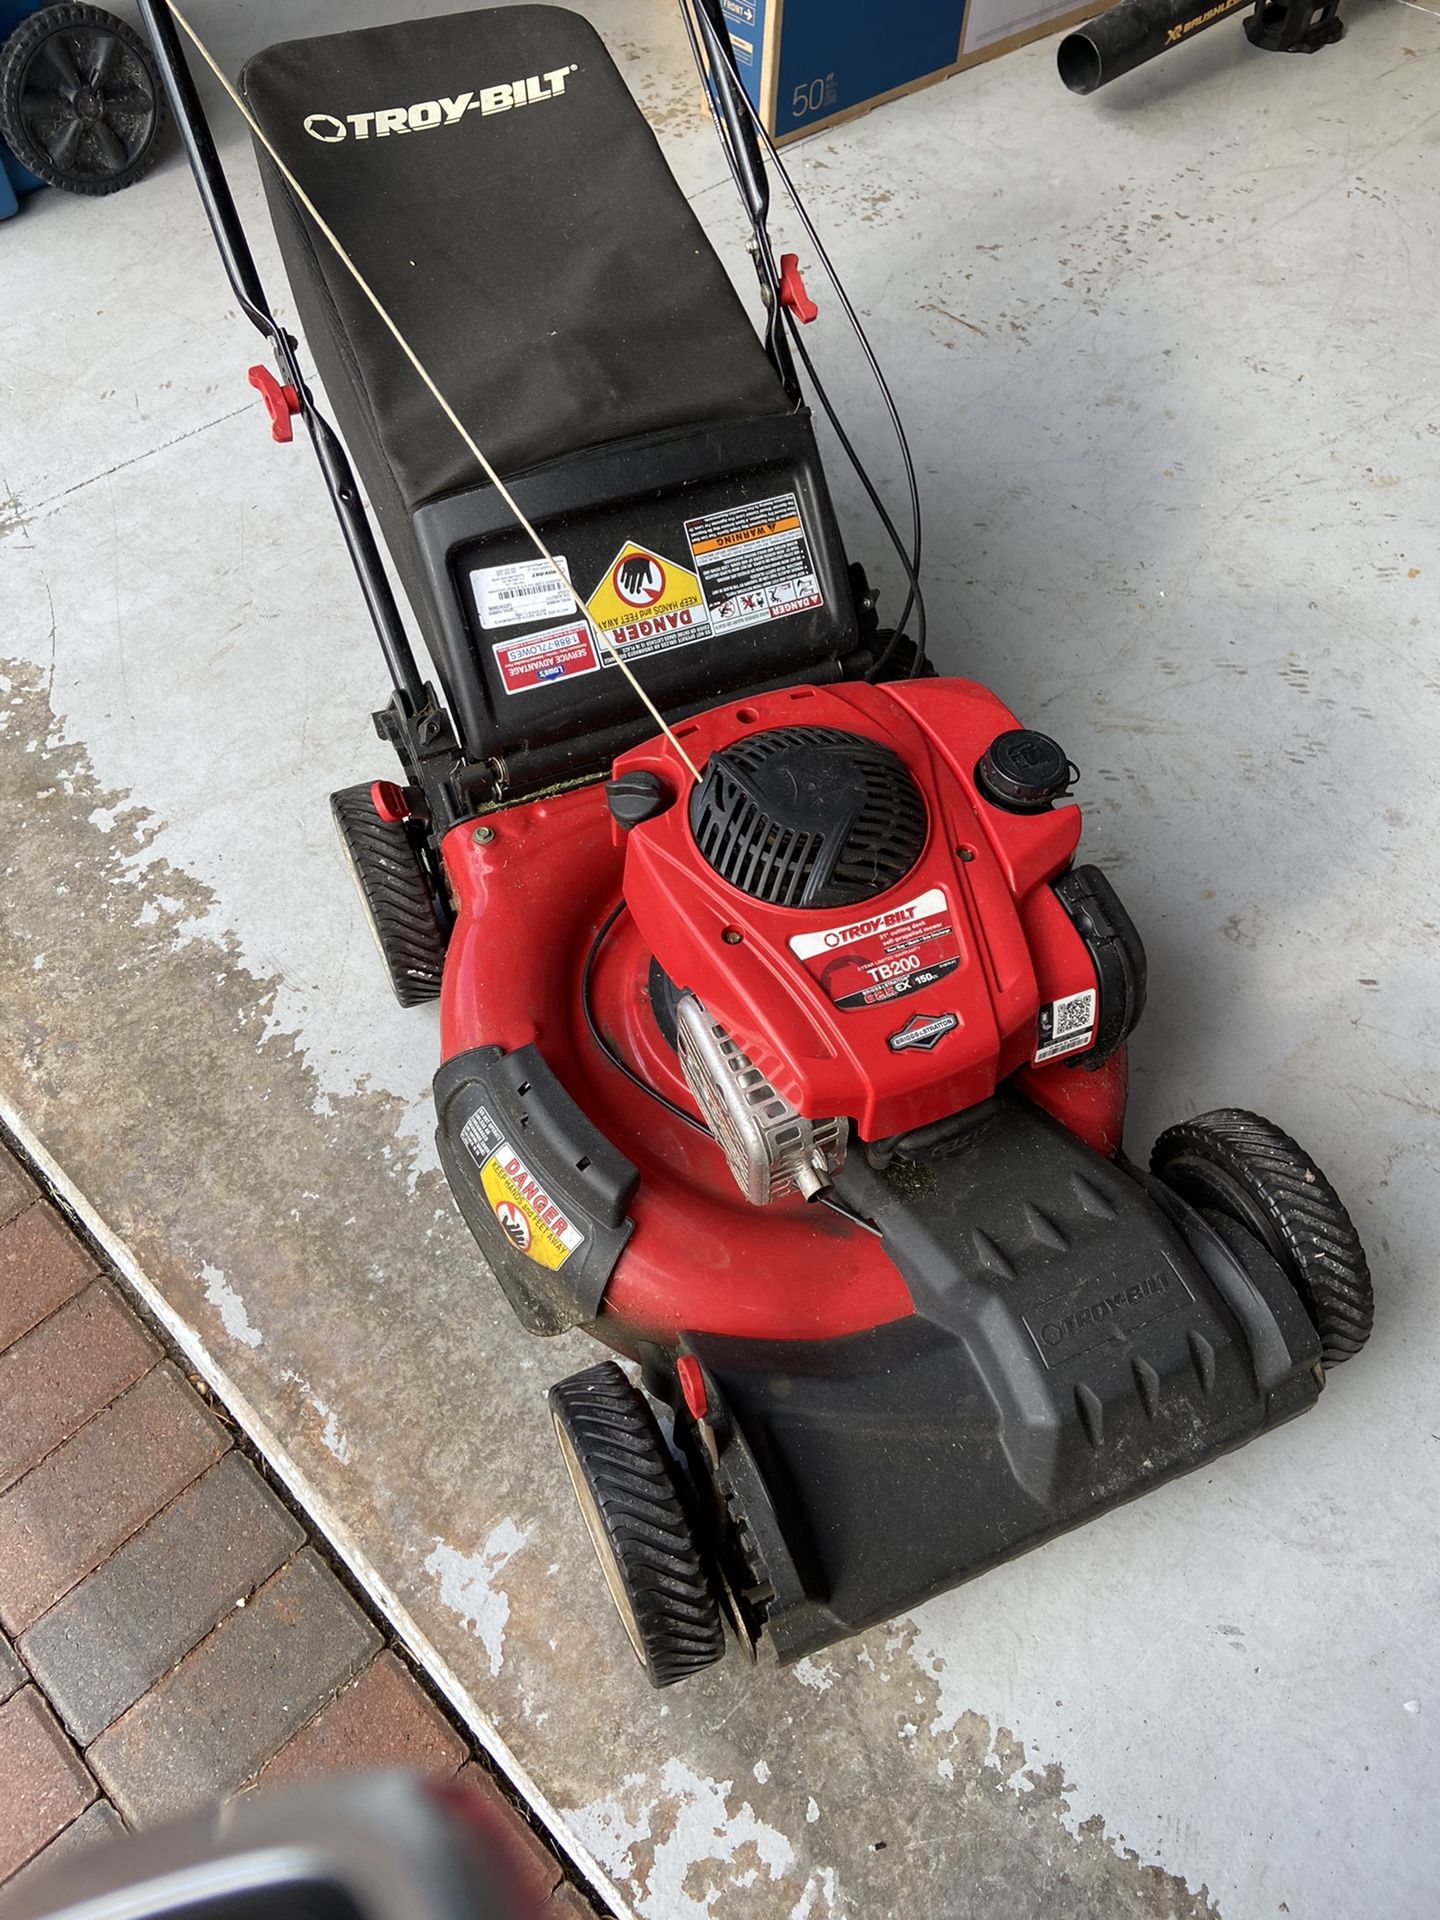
{"points": [[912, 1005], [529, 897]]}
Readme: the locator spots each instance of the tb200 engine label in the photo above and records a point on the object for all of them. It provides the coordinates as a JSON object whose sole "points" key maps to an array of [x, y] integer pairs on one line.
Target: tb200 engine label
{"points": [[880, 956]]}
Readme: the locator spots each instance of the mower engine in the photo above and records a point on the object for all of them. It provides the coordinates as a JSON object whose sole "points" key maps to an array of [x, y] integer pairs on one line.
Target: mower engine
{"points": [[771, 1149], [797, 1006]]}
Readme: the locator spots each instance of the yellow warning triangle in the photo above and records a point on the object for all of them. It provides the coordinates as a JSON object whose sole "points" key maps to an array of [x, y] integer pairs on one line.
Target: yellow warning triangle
{"points": [[642, 586]]}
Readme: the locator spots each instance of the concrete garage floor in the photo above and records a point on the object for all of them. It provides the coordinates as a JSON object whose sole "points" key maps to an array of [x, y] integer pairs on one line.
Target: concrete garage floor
{"points": [[1170, 364]]}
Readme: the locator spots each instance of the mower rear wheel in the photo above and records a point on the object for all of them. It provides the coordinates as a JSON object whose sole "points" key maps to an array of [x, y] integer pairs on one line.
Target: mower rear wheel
{"points": [[1249, 1170], [630, 1495], [81, 103], [396, 893]]}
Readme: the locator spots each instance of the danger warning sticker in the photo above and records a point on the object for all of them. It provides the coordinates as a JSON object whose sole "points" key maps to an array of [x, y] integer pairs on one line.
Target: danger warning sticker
{"points": [[526, 590], [647, 604], [884, 955], [1066, 1026], [560, 653], [754, 563], [533, 1223]]}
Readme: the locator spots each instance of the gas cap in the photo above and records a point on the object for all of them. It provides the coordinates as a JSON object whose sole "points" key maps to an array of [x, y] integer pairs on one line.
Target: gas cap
{"points": [[635, 797], [1023, 771]]}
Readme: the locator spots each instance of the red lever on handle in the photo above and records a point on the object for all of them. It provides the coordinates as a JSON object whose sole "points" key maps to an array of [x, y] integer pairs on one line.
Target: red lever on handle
{"points": [[792, 290], [280, 402]]}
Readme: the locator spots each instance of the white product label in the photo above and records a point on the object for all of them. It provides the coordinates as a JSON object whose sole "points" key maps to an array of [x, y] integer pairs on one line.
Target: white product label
{"points": [[537, 659], [754, 563], [1066, 1026], [525, 590]]}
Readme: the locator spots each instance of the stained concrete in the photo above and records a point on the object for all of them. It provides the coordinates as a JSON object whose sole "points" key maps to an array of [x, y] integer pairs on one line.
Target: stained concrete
{"points": [[1170, 366]]}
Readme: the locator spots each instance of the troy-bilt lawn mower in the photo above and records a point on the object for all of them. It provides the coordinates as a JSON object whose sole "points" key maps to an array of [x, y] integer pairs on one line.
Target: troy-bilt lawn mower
{"points": [[784, 1041]]}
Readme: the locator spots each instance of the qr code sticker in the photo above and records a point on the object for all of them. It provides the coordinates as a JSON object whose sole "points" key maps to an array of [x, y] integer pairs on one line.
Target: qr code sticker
{"points": [[1066, 1026], [1073, 1015]]}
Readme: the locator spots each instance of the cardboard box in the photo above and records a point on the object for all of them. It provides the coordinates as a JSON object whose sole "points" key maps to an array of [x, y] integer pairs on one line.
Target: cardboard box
{"points": [[808, 63]]}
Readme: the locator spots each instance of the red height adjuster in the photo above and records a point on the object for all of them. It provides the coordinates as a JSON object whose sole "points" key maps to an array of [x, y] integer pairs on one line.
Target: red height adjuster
{"points": [[792, 290], [280, 402]]}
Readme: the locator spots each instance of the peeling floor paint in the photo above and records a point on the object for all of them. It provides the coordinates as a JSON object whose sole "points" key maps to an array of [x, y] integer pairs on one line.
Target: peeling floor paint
{"points": [[230, 1307], [672, 1842], [332, 1438], [1200, 1705], [467, 1586]]}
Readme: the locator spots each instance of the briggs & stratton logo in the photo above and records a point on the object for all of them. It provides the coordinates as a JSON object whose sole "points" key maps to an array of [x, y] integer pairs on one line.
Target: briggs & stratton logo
{"points": [[924, 1033], [425, 115]]}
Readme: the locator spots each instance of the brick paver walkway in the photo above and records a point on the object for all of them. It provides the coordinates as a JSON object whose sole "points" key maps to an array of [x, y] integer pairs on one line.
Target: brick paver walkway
{"points": [[169, 1634]]}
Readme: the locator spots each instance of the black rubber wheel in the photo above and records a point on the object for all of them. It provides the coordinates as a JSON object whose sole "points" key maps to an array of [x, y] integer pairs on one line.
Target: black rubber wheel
{"points": [[901, 663], [629, 1492], [1252, 1172], [80, 101], [396, 893]]}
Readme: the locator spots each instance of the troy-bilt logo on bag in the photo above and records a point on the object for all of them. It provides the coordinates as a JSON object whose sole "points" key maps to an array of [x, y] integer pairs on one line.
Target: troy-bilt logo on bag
{"points": [[447, 111]]}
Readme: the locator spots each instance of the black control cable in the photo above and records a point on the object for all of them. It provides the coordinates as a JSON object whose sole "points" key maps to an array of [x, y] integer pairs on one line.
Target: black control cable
{"points": [[699, 27]]}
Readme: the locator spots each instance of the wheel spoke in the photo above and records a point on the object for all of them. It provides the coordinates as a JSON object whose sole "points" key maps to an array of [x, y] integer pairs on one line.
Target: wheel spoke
{"points": [[117, 154], [46, 115], [62, 148], [109, 51], [129, 100], [61, 63]]}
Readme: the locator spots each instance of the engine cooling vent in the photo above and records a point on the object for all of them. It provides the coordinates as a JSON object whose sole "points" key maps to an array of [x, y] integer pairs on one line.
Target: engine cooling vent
{"points": [[808, 817]]}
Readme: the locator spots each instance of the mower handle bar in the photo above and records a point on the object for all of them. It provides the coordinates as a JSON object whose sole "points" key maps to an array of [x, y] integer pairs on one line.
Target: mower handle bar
{"points": [[244, 278]]}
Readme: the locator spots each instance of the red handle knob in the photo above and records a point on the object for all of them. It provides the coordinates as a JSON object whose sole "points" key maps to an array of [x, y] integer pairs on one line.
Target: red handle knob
{"points": [[280, 402], [792, 290]]}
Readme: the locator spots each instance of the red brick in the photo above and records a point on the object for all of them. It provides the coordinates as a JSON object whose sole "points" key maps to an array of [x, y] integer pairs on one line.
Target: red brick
{"points": [[74, 1509], [12, 1674], [382, 1719], [43, 1785], [17, 1190], [63, 1372], [537, 1868], [213, 1722], [97, 1824], [122, 1629], [42, 1265]]}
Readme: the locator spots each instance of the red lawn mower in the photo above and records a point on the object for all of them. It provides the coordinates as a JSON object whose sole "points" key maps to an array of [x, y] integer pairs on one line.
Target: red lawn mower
{"points": [[783, 1039]]}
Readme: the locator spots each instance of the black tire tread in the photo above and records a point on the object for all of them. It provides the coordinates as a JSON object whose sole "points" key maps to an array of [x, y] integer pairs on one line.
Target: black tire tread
{"points": [[397, 894], [14, 56], [632, 1482], [1321, 1250]]}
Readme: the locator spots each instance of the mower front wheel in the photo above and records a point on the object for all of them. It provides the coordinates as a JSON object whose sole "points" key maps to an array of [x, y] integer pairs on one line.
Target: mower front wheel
{"points": [[631, 1498], [396, 892], [1248, 1170]]}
